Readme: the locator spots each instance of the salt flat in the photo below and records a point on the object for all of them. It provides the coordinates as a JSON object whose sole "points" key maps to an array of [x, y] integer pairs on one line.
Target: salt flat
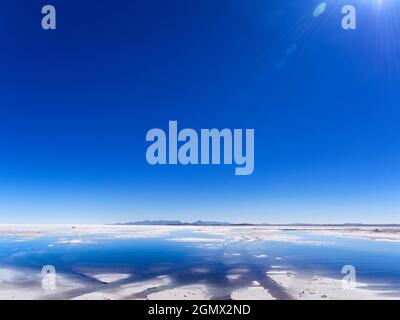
{"points": [[19, 283], [230, 233], [306, 287], [252, 293], [192, 292]]}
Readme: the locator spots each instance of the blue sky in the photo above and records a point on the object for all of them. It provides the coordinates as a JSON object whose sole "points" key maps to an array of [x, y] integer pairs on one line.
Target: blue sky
{"points": [[76, 104]]}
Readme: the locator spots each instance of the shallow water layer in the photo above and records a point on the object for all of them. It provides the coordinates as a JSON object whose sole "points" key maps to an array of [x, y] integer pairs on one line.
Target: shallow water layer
{"points": [[205, 259]]}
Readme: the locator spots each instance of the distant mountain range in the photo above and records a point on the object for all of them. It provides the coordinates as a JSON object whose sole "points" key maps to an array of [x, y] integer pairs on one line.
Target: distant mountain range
{"points": [[175, 223], [218, 223]]}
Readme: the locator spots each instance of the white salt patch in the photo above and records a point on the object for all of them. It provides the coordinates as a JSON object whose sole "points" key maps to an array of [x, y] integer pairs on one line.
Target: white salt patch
{"points": [[134, 288], [10, 275], [213, 240], [301, 287], [279, 272], [96, 296], [33, 290], [75, 241], [239, 270], [125, 291], [111, 277], [194, 292], [251, 293]]}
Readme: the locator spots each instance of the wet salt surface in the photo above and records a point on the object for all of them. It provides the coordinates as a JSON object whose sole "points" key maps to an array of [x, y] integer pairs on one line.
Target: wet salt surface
{"points": [[222, 266]]}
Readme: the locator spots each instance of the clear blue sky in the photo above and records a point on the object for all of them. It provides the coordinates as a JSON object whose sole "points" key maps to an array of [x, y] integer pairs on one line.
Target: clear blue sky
{"points": [[76, 103]]}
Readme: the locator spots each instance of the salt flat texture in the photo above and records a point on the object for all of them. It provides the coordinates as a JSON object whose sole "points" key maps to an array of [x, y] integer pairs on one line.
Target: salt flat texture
{"points": [[137, 287], [97, 296], [10, 275], [111, 277], [72, 241], [193, 292], [370, 233], [22, 285], [207, 240], [251, 293], [125, 291], [277, 233], [233, 276], [80, 233], [26, 285], [302, 287]]}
